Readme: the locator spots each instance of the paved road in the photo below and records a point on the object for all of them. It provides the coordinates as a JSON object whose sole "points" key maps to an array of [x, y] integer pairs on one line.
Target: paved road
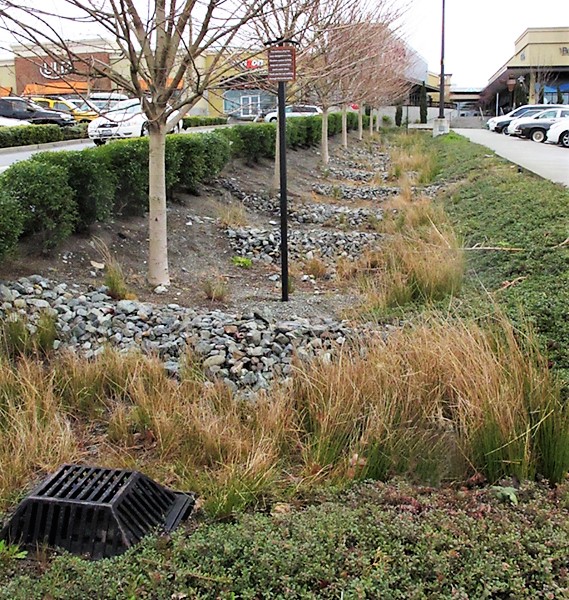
{"points": [[548, 161], [12, 155]]}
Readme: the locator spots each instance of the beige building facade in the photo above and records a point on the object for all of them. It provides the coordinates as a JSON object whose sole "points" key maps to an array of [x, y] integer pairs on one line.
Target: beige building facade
{"points": [[538, 70]]}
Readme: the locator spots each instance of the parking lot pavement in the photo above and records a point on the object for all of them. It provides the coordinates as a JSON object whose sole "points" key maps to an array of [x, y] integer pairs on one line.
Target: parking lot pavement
{"points": [[546, 160]]}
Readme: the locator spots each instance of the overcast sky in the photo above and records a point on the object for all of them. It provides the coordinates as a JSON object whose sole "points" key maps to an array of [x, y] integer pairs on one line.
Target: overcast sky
{"points": [[480, 34]]}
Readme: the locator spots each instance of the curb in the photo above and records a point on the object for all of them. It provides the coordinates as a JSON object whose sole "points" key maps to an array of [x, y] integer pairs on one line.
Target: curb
{"points": [[46, 146]]}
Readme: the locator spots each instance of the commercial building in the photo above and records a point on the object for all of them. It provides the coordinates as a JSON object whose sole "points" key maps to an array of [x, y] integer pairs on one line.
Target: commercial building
{"points": [[537, 72]]}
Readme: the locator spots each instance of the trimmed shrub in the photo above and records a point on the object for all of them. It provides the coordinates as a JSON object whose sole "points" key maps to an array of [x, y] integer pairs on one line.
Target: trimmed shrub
{"points": [[218, 152], [92, 182], [127, 160], [45, 198], [253, 141], [26, 135], [398, 115], [75, 132], [334, 124], [173, 164], [313, 131], [352, 120], [188, 122], [11, 223], [191, 154]]}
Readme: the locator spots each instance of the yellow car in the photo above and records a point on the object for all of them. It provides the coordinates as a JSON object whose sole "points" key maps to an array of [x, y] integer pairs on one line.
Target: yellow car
{"points": [[62, 105]]}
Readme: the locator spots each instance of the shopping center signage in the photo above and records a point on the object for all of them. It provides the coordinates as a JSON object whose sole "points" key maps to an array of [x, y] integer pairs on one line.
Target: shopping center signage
{"points": [[564, 50], [55, 69], [254, 63]]}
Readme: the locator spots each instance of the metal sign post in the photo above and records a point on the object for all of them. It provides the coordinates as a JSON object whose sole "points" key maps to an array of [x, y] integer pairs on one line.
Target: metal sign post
{"points": [[282, 68]]}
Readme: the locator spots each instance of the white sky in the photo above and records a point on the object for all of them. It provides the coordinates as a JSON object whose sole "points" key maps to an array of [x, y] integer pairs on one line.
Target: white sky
{"points": [[479, 34]]}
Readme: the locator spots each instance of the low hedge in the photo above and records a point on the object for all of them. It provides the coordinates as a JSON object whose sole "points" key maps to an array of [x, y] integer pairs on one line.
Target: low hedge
{"points": [[93, 183], [11, 222], [74, 132], [69, 191], [45, 199], [27, 135], [188, 122]]}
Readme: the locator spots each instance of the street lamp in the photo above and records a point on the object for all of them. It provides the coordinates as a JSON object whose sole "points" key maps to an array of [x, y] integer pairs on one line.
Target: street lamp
{"points": [[511, 83], [442, 81]]}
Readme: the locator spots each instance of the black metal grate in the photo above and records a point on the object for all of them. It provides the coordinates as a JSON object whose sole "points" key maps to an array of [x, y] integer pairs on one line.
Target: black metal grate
{"points": [[95, 512]]}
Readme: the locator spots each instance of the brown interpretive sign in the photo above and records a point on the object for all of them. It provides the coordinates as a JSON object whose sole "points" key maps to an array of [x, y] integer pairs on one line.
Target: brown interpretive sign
{"points": [[282, 63]]}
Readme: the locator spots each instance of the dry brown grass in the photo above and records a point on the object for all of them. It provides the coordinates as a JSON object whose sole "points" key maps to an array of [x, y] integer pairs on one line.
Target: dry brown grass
{"points": [[412, 162], [420, 259], [115, 278], [232, 215], [216, 288], [315, 267], [439, 400], [35, 434]]}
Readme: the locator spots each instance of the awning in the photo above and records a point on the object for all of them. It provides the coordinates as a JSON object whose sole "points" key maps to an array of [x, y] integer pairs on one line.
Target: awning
{"points": [[55, 88]]}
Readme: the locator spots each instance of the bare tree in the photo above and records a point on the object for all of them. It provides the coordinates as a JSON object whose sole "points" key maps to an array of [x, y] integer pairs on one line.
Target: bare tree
{"points": [[283, 20], [381, 73], [333, 66], [164, 42]]}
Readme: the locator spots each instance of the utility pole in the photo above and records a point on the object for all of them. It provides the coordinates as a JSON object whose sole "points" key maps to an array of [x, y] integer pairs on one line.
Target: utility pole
{"points": [[441, 125], [442, 77]]}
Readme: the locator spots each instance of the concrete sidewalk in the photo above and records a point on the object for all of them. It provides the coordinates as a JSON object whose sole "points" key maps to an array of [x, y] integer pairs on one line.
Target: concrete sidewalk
{"points": [[547, 161]]}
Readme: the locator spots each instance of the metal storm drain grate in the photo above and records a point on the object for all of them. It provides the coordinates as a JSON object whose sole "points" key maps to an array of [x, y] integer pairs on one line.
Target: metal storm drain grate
{"points": [[95, 512]]}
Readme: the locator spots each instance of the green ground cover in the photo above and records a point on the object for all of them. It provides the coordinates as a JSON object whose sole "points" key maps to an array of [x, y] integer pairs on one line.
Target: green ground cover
{"points": [[519, 223], [374, 541]]}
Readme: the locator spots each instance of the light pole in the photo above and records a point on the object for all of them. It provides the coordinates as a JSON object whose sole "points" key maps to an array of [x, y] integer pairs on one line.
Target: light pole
{"points": [[442, 80], [441, 125]]}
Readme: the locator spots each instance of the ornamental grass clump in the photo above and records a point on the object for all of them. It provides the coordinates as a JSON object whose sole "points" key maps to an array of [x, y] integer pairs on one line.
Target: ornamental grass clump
{"points": [[420, 259], [441, 400]]}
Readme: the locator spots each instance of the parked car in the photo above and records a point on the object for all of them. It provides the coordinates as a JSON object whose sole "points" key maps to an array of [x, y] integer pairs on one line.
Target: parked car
{"points": [[536, 126], [558, 133], [22, 109], [514, 114], [125, 120], [4, 122], [102, 102], [66, 106], [503, 126], [294, 110]]}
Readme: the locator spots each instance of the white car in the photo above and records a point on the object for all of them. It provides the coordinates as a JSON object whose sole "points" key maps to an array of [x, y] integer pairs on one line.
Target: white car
{"points": [[126, 120], [550, 114], [559, 133], [6, 122], [294, 110], [514, 114]]}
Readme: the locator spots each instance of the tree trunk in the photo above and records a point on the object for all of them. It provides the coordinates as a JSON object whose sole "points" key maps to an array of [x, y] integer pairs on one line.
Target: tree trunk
{"points": [[371, 121], [157, 227], [324, 147], [344, 126], [361, 123], [377, 122]]}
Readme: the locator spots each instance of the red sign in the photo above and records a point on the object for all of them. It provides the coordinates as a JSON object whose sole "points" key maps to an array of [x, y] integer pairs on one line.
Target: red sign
{"points": [[282, 63], [254, 63]]}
